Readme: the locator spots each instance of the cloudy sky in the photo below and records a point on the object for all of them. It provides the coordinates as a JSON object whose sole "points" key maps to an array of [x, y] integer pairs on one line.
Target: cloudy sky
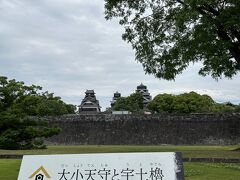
{"points": [[66, 46]]}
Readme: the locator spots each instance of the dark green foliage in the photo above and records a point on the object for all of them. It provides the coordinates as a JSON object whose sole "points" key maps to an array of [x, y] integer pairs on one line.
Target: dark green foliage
{"points": [[17, 98], [71, 109], [192, 103], [183, 103], [167, 35], [189, 103], [237, 108], [18, 132], [51, 107], [17, 103], [132, 103], [162, 103], [223, 108]]}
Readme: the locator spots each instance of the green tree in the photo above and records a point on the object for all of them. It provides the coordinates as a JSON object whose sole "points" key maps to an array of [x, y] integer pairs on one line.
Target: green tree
{"points": [[71, 109], [237, 108], [223, 108], [25, 100], [51, 107], [183, 103], [167, 35], [193, 103], [121, 104], [162, 103], [12, 92], [18, 102], [132, 103], [17, 132]]}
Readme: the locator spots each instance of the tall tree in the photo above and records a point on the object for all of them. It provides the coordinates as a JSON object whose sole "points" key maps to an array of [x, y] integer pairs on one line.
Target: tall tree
{"points": [[182, 103], [132, 103], [162, 103], [17, 103], [167, 35]]}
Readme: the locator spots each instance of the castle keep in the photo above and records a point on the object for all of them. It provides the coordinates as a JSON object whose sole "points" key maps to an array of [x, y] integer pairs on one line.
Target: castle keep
{"points": [[89, 104], [146, 95]]}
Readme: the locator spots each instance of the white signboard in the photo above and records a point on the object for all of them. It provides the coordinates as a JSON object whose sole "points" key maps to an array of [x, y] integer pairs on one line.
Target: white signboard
{"points": [[107, 166]]}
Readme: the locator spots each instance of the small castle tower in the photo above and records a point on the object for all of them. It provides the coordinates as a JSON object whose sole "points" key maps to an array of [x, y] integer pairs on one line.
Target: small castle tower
{"points": [[116, 95], [146, 95], [89, 104]]}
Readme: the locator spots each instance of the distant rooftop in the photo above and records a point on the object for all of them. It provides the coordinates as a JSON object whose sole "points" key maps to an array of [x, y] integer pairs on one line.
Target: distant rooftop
{"points": [[90, 91], [141, 86]]}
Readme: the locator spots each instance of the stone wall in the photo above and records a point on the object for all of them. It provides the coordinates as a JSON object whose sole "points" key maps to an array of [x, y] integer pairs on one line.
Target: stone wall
{"points": [[102, 129]]}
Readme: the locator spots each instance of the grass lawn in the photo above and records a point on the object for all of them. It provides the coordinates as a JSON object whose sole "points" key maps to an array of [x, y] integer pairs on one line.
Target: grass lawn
{"points": [[210, 171], [9, 169], [187, 151]]}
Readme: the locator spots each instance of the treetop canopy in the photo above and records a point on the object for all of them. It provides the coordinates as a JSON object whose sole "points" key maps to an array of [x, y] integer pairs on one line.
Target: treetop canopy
{"points": [[168, 35]]}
